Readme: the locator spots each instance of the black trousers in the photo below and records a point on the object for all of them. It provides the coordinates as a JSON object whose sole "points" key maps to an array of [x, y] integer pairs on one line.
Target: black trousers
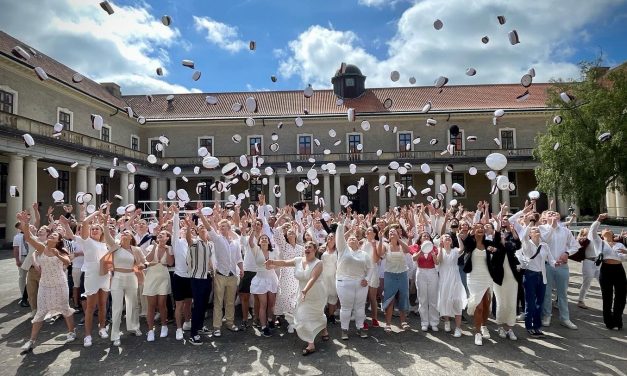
{"points": [[613, 290]]}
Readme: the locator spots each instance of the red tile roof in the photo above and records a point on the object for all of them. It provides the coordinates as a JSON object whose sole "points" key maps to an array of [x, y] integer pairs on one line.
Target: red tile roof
{"points": [[55, 69], [323, 102]]}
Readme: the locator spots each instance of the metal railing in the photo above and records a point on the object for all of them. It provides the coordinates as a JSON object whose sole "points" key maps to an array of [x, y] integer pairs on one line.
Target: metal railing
{"points": [[37, 128]]}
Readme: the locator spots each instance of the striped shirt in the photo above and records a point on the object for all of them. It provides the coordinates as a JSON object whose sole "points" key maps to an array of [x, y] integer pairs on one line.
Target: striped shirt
{"points": [[198, 259]]}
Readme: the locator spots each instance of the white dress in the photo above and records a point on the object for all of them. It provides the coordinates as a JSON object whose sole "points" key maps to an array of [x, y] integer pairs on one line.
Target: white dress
{"points": [[506, 295], [265, 280], [374, 278], [452, 295], [288, 285], [308, 319], [329, 267], [479, 280], [93, 251], [52, 296]]}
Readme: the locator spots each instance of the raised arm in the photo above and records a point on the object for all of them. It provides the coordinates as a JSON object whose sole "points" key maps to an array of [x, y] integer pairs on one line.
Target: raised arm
{"points": [[593, 235], [340, 242], [315, 273], [28, 237], [86, 228]]}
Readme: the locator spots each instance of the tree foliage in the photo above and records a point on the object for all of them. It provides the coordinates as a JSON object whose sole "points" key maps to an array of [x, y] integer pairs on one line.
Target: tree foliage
{"points": [[583, 167]]}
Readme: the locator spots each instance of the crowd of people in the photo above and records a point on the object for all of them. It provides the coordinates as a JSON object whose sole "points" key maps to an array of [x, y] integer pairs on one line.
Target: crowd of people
{"points": [[297, 267]]}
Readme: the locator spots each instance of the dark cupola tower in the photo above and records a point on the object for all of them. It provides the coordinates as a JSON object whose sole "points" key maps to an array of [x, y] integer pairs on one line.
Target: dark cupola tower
{"points": [[348, 82]]}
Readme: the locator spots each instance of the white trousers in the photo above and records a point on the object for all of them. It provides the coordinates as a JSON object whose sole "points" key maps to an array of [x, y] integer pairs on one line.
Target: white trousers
{"points": [[589, 271], [21, 280], [352, 299], [124, 291], [427, 288]]}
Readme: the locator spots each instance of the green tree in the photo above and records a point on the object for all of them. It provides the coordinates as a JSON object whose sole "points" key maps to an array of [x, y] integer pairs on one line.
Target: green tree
{"points": [[581, 167]]}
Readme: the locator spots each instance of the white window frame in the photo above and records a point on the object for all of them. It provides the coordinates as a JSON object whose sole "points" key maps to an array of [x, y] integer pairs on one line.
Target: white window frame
{"points": [[61, 109], [398, 141], [139, 145], [213, 144], [149, 149], [261, 147], [298, 143], [110, 134], [501, 137], [15, 97], [361, 141], [448, 139], [457, 195]]}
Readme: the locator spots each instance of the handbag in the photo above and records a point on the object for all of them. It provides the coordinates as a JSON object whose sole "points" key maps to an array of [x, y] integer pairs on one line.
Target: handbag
{"points": [[580, 255], [599, 259], [106, 263]]}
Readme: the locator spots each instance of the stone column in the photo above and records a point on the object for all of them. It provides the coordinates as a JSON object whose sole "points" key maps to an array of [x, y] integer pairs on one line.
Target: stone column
{"points": [[337, 192], [14, 204], [437, 181], [382, 207], [124, 188], [131, 192], [271, 198], [495, 204], [392, 191], [81, 185], [91, 180], [162, 188], [610, 201], [505, 193], [154, 192], [326, 189], [283, 198], [621, 204], [448, 180], [30, 183], [172, 185]]}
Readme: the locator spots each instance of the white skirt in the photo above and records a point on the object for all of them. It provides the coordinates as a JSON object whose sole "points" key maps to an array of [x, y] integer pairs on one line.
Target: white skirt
{"points": [[93, 280], [263, 282]]}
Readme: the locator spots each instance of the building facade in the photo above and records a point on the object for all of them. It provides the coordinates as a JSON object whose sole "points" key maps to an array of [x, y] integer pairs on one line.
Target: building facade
{"points": [[304, 128]]}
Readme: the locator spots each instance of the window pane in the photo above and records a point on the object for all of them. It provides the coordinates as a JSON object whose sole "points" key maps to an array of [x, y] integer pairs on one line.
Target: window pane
{"points": [[404, 139], [65, 119], [307, 194], [105, 135], [507, 140], [63, 182], [457, 141], [6, 102], [135, 143], [104, 180], [254, 146], [304, 145], [255, 188], [458, 178], [511, 175], [153, 149], [407, 181], [208, 143]]}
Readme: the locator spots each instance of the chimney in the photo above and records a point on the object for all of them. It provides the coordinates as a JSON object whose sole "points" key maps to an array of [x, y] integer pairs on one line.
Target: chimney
{"points": [[112, 88]]}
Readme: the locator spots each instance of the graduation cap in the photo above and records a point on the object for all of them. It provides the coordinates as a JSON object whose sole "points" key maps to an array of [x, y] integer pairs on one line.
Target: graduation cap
{"points": [[196, 75], [166, 20], [299, 121], [523, 97], [557, 119], [77, 77], [454, 130], [252, 45], [471, 72], [566, 98], [351, 114], [440, 82], [13, 191], [427, 107], [273, 78], [395, 76], [412, 80], [107, 7], [210, 99], [236, 138], [96, 122], [605, 137], [188, 63], [210, 162], [251, 104], [41, 73], [28, 140], [501, 20], [52, 172], [141, 120], [308, 92], [437, 24], [159, 72], [20, 52], [152, 159], [485, 39], [513, 37]]}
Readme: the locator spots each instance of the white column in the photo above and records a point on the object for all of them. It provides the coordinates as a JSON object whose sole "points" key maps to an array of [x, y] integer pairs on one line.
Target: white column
{"points": [[14, 204], [392, 190], [271, 198], [621, 204], [448, 180], [505, 193], [610, 201], [283, 198], [337, 192], [172, 184], [162, 188], [154, 192], [124, 187], [81, 185], [495, 204], [326, 189], [382, 207], [91, 180], [30, 183], [131, 192], [437, 181]]}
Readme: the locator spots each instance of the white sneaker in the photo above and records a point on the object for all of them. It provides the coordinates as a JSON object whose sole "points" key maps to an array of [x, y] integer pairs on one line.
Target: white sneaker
{"points": [[502, 333], [447, 326], [117, 343], [478, 339], [164, 332], [151, 336], [87, 341], [569, 324], [103, 333], [424, 328], [546, 321], [434, 328], [290, 329], [485, 332], [187, 325], [511, 335], [521, 317], [29, 345], [458, 333], [71, 336], [179, 334]]}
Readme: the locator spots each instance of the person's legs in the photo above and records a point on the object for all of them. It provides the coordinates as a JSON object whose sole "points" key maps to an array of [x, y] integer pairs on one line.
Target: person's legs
{"points": [[372, 297], [219, 285], [200, 290], [32, 287], [487, 298], [620, 294], [34, 331], [103, 296], [270, 308], [531, 308], [92, 301], [69, 322], [432, 297], [263, 305], [587, 274], [130, 300], [163, 309], [229, 308], [561, 284], [346, 293], [422, 288], [547, 305], [117, 296], [361, 294], [21, 280], [150, 313]]}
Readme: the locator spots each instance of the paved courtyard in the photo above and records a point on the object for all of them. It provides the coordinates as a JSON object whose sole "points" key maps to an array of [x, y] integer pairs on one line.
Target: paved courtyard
{"points": [[590, 350]]}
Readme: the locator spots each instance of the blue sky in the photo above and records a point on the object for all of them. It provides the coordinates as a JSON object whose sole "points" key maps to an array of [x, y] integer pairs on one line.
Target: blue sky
{"points": [[304, 41]]}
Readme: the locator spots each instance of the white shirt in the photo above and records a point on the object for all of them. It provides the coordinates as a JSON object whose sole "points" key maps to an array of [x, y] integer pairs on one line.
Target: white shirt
{"points": [[601, 246], [351, 265], [559, 239], [529, 249], [78, 261], [18, 241], [227, 254], [180, 249], [250, 265]]}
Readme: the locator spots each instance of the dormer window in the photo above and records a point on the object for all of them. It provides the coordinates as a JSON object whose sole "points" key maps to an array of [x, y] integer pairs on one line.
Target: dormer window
{"points": [[349, 82]]}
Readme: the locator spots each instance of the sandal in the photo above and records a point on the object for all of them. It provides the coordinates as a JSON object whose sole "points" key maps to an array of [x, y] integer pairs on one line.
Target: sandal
{"points": [[388, 328], [307, 351], [405, 326], [325, 337]]}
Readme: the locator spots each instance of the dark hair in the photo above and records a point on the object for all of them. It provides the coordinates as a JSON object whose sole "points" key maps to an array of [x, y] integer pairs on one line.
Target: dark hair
{"points": [[269, 242]]}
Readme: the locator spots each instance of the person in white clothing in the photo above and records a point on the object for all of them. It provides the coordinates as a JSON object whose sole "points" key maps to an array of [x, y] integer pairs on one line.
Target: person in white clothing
{"points": [[353, 273], [181, 283], [265, 283], [589, 270], [396, 279], [452, 298]]}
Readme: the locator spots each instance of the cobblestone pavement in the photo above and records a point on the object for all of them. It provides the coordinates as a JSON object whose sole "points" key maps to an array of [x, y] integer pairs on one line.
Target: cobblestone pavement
{"points": [[590, 350]]}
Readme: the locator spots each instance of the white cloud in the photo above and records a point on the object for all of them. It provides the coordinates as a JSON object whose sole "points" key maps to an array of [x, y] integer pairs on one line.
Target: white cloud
{"points": [[79, 34], [374, 3], [417, 49], [222, 35]]}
